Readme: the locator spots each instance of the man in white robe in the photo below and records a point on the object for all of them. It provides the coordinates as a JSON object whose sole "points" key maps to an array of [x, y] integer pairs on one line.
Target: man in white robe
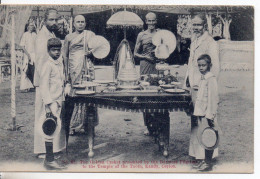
{"points": [[42, 56], [202, 43], [27, 42]]}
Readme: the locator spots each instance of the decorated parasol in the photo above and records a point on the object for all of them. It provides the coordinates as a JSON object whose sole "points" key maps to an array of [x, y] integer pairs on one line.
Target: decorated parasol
{"points": [[124, 66], [125, 19]]}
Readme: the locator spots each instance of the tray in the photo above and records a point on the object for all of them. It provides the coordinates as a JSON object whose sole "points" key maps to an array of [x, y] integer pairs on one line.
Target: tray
{"points": [[85, 92], [103, 81], [175, 91], [168, 86], [79, 86], [128, 87], [176, 83]]}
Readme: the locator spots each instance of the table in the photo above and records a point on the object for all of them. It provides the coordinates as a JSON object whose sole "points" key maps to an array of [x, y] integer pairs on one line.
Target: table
{"points": [[154, 104]]}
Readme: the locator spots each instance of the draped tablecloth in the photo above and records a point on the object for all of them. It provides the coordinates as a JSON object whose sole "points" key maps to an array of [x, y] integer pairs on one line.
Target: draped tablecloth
{"points": [[139, 101], [160, 104]]}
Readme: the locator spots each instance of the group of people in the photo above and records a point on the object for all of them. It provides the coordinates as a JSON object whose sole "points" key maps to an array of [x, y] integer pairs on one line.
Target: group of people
{"points": [[201, 81], [59, 65]]}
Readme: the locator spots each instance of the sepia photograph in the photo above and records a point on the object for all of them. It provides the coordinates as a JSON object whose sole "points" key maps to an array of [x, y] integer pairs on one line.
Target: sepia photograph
{"points": [[127, 88]]}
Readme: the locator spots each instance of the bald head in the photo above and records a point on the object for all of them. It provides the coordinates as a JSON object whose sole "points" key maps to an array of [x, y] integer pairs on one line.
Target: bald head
{"points": [[150, 15], [79, 23], [79, 18], [151, 20]]}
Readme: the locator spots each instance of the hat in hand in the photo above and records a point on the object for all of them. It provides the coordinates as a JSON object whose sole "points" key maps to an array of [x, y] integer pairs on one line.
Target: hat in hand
{"points": [[208, 137]]}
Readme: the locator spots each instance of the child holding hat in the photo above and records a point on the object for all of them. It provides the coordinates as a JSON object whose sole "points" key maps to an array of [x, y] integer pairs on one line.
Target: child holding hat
{"points": [[205, 110], [52, 79]]}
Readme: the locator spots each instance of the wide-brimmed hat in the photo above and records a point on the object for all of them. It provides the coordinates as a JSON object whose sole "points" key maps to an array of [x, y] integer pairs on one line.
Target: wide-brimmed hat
{"points": [[51, 126], [208, 137]]}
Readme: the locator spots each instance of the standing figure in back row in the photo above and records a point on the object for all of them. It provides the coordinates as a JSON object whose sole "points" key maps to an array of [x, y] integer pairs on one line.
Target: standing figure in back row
{"points": [[78, 63], [144, 48], [76, 50], [27, 42], [42, 57]]}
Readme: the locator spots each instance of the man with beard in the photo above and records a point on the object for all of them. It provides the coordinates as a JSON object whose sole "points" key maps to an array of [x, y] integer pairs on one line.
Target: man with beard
{"points": [[201, 43], [42, 56]]}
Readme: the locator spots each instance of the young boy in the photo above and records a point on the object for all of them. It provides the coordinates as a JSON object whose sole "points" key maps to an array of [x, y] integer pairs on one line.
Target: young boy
{"points": [[205, 110], [52, 90]]}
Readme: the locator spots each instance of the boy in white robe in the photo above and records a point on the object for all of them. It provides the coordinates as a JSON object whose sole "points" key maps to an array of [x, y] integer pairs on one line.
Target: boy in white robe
{"points": [[52, 80], [205, 110]]}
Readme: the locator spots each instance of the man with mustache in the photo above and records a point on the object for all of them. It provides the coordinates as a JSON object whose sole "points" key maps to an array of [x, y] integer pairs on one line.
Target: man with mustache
{"points": [[201, 43], [42, 56]]}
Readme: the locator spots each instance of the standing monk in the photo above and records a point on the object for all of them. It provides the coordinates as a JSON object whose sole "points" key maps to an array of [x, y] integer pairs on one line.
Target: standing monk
{"points": [[42, 56], [77, 59], [144, 48], [76, 48]]}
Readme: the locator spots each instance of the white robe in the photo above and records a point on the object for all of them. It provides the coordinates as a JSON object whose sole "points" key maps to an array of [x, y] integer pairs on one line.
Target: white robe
{"points": [[206, 105], [27, 41], [42, 57], [203, 45], [52, 91]]}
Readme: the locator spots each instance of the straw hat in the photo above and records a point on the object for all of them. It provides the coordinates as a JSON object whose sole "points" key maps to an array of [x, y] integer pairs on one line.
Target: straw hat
{"points": [[50, 127], [208, 137]]}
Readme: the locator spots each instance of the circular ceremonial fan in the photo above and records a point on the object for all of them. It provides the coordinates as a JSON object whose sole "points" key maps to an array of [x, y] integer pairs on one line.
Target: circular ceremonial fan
{"points": [[165, 42], [100, 46]]}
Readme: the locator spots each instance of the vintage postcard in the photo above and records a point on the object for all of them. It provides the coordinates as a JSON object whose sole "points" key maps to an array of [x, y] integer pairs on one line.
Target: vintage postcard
{"points": [[127, 88]]}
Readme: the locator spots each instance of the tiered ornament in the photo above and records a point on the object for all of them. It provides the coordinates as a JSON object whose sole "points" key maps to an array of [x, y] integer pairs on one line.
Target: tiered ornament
{"points": [[127, 75], [124, 66]]}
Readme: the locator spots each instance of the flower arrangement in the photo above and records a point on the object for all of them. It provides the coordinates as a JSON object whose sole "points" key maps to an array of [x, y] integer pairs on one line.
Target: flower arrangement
{"points": [[156, 80]]}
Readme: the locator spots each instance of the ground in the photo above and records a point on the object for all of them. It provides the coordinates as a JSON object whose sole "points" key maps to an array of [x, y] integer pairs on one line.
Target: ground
{"points": [[123, 140]]}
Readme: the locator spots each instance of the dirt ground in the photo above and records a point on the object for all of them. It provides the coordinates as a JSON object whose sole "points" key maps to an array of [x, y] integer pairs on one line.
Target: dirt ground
{"points": [[120, 140]]}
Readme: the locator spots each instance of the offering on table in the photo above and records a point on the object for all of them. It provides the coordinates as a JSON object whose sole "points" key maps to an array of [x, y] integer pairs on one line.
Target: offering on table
{"points": [[125, 71], [156, 80], [127, 75]]}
